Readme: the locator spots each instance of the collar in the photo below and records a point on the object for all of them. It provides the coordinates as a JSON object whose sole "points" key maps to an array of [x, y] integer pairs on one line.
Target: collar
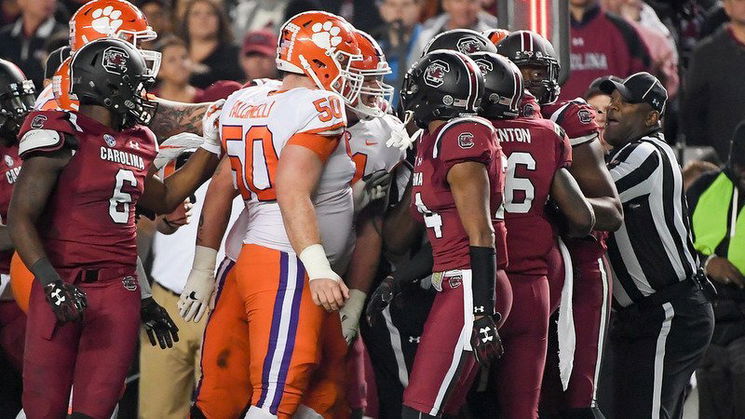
{"points": [[43, 31], [731, 34], [589, 15]]}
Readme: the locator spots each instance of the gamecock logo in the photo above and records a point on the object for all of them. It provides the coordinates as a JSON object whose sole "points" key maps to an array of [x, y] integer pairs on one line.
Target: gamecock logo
{"points": [[114, 60], [38, 122], [585, 116], [468, 45], [485, 66], [434, 75], [465, 140]]}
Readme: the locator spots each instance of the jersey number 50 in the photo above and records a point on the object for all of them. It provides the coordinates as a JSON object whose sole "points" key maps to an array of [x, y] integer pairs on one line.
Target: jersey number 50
{"points": [[253, 159]]}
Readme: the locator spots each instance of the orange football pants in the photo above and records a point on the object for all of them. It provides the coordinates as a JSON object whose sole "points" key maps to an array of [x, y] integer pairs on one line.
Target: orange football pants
{"points": [[267, 342]]}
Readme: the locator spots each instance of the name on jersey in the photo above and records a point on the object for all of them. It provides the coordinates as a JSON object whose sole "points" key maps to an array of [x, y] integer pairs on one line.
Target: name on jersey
{"points": [[122, 157], [417, 179], [245, 110], [589, 61], [12, 174], [514, 135]]}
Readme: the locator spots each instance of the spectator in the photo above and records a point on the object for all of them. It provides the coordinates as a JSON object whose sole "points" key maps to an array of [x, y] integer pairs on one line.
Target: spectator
{"points": [[24, 42], [602, 44], [257, 55], [298, 6], [398, 37], [713, 102], [717, 221], [656, 37], [600, 100], [207, 33], [158, 13], [694, 169], [459, 14], [253, 15], [175, 70], [715, 17], [9, 11]]}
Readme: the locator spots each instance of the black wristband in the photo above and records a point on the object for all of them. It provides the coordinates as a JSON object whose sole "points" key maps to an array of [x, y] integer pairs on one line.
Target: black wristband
{"points": [[484, 276], [45, 272], [418, 267]]}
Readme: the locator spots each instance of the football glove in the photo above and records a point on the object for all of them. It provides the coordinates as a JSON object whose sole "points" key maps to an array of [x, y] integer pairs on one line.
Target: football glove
{"points": [[171, 148], [485, 340], [401, 139], [196, 296], [350, 314], [158, 324], [211, 126], [371, 187], [68, 302], [381, 298]]}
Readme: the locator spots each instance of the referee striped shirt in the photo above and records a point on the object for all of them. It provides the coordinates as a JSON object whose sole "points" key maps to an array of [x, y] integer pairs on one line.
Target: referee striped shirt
{"points": [[653, 248]]}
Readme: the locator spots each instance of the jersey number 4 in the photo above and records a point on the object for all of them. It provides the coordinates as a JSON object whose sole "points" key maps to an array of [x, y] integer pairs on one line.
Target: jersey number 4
{"points": [[253, 163], [519, 192], [120, 200]]}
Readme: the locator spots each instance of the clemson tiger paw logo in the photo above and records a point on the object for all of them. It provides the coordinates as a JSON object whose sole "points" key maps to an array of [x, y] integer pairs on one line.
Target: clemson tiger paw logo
{"points": [[106, 20], [326, 35]]}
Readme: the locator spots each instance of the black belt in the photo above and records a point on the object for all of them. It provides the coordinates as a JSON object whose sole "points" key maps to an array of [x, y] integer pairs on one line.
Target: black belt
{"points": [[87, 275], [669, 293]]}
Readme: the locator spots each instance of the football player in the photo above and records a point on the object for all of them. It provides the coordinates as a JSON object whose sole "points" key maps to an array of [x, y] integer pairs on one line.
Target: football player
{"points": [[72, 222], [538, 155], [457, 190], [17, 95], [537, 60]]}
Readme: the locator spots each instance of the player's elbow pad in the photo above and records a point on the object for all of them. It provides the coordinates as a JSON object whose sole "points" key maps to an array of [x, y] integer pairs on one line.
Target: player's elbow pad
{"points": [[484, 276]]}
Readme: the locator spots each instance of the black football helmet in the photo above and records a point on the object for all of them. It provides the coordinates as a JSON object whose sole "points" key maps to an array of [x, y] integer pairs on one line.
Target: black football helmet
{"points": [[17, 97], [464, 41], [112, 73], [503, 86], [442, 85], [527, 48]]}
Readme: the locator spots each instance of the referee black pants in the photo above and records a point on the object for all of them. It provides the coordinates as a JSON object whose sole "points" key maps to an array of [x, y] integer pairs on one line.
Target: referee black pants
{"points": [[656, 348]]}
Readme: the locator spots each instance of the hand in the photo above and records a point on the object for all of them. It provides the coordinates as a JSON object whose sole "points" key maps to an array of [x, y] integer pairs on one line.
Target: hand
{"points": [[197, 294], [721, 270], [400, 139], [329, 293], [211, 126], [485, 340], [171, 148], [158, 324], [381, 298], [68, 302], [181, 216], [350, 314], [370, 188]]}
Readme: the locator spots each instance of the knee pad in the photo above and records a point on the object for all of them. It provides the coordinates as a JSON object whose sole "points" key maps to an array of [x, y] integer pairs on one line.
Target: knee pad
{"points": [[409, 413], [258, 413], [583, 413]]}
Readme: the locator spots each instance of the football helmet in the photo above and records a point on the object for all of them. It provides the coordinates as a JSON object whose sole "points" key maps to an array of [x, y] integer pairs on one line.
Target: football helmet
{"points": [[112, 73], [374, 93], [442, 85], [66, 100], [495, 35], [17, 96], [321, 46], [464, 41], [527, 48], [503, 86], [113, 19]]}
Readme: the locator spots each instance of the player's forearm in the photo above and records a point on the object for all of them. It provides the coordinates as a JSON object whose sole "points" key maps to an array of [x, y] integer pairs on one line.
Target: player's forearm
{"points": [[469, 184], [608, 213], [5, 242], [299, 217], [365, 258], [166, 196], [176, 117], [578, 213], [216, 208]]}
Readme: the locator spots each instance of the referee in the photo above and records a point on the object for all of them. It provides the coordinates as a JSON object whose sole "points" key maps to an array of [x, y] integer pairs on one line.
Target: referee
{"points": [[663, 321]]}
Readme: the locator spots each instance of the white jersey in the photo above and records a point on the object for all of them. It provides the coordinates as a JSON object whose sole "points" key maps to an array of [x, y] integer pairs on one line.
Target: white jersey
{"points": [[45, 100], [255, 125], [370, 153]]}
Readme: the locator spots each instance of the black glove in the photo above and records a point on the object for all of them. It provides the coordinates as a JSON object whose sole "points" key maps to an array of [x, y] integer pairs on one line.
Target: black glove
{"points": [[485, 340], [68, 302], [380, 298], [158, 324]]}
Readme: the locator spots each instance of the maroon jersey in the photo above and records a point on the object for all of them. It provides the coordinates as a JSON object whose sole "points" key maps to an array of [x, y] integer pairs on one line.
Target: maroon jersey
{"points": [[535, 149], [458, 141], [89, 220], [529, 107], [9, 169], [576, 117]]}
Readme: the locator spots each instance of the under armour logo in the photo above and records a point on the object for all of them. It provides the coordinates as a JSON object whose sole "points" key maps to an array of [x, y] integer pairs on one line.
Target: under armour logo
{"points": [[486, 331], [58, 299], [478, 309], [414, 339]]}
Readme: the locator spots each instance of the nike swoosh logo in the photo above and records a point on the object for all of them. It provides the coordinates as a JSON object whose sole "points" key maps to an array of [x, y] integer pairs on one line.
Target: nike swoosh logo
{"points": [[370, 142]]}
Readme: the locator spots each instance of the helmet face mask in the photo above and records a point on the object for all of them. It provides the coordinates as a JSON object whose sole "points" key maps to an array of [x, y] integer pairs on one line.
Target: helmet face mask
{"points": [[17, 96], [375, 95]]}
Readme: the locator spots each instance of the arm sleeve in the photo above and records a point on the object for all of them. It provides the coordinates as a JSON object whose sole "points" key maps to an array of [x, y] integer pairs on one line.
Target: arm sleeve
{"points": [[633, 170]]}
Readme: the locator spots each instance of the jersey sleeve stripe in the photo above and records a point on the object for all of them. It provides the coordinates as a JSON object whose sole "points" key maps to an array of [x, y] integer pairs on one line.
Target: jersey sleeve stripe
{"points": [[583, 139], [322, 145], [335, 129]]}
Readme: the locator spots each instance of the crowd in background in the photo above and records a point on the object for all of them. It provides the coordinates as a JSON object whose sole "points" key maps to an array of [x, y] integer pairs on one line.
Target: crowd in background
{"points": [[688, 45]]}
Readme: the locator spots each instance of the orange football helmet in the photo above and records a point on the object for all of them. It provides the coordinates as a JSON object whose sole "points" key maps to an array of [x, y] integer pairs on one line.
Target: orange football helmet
{"points": [[374, 94], [496, 35], [66, 101], [321, 46], [116, 19]]}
